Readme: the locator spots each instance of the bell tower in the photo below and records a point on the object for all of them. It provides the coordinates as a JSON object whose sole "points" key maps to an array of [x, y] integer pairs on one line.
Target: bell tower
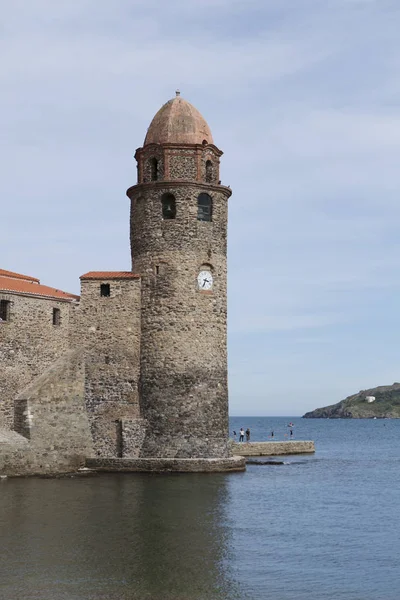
{"points": [[178, 231]]}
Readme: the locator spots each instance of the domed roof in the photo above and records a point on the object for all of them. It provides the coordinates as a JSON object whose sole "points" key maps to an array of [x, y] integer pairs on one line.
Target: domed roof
{"points": [[178, 122]]}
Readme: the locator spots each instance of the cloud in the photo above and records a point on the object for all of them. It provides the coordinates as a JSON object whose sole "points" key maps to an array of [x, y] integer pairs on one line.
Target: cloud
{"points": [[262, 324], [301, 95]]}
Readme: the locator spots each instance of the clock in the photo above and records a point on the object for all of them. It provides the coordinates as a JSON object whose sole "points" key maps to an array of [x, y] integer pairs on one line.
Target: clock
{"points": [[205, 280]]}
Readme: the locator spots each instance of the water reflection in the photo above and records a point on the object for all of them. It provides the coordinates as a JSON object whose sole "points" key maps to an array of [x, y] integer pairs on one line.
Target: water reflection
{"points": [[124, 537]]}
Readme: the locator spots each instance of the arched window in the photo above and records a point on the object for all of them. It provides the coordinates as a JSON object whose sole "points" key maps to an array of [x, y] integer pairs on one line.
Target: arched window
{"points": [[204, 207], [209, 171], [168, 206], [153, 169]]}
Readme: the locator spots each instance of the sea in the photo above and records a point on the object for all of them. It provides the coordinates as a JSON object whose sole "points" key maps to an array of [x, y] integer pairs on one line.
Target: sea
{"points": [[308, 527]]}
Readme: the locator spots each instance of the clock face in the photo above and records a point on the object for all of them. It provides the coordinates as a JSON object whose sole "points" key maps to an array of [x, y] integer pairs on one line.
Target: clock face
{"points": [[205, 280]]}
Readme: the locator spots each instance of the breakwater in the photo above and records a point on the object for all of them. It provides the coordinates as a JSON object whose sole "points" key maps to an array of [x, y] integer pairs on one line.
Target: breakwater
{"points": [[272, 448]]}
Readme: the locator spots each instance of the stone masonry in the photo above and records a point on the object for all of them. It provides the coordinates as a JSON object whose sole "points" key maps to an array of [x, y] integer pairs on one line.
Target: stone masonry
{"points": [[184, 391], [29, 343], [108, 328]]}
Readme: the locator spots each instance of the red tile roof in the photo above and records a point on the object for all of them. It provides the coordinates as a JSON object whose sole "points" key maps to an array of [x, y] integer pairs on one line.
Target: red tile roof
{"points": [[110, 275], [4, 273], [31, 288]]}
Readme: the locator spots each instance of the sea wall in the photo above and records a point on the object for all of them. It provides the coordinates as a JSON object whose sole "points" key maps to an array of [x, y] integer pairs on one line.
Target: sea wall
{"points": [[272, 448], [160, 465]]}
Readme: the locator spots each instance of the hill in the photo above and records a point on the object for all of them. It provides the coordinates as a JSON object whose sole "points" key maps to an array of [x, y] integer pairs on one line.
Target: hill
{"points": [[386, 405]]}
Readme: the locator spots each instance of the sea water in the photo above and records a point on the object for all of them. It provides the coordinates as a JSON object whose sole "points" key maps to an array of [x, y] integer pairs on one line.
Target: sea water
{"points": [[318, 527]]}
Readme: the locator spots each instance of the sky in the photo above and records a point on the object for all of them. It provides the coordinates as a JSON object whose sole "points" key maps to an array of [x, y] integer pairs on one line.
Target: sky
{"points": [[303, 98]]}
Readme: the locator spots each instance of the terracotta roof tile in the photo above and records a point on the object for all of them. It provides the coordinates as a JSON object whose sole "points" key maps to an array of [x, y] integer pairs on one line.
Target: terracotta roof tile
{"points": [[110, 275], [4, 273], [31, 288], [178, 122]]}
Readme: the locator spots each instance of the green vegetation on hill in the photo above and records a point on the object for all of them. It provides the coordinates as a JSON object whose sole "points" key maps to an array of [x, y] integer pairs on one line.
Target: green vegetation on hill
{"points": [[386, 405]]}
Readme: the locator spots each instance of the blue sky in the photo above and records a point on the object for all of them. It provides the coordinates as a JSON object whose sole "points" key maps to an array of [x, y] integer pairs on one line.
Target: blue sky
{"points": [[303, 97]]}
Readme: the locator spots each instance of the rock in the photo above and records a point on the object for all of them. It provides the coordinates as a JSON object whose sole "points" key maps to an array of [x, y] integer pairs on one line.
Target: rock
{"points": [[264, 462]]}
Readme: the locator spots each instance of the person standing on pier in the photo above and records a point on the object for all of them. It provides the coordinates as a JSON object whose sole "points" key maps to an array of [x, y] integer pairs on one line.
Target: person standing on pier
{"points": [[247, 435], [241, 435]]}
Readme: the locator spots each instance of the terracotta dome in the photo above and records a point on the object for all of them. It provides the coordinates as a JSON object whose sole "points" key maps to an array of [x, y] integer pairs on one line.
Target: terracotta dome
{"points": [[178, 122]]}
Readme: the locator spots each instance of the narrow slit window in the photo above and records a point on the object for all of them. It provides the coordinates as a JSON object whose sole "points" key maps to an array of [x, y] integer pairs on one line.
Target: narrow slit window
{"points": [[209, 171], [5, 310], [105, 289], [168, 206], [154, 169], [204, 207], [56, 316]]}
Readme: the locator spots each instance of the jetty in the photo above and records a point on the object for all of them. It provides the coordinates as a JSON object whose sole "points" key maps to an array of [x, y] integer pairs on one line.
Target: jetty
{"points": [[272, 448]]}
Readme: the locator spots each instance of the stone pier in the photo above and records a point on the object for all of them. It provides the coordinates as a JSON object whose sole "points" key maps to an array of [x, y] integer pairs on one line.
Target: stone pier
{"points": [[272, 448]]}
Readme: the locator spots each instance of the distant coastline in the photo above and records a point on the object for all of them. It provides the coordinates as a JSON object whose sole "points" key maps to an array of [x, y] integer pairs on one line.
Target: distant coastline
{"points": [[381, 402]]}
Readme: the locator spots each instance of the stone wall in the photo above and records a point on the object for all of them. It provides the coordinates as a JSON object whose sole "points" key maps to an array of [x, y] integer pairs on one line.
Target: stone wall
{"points": [[29, 343], [184, 394], [53, 422], [182, 166], [133, 432], [108, 327]]}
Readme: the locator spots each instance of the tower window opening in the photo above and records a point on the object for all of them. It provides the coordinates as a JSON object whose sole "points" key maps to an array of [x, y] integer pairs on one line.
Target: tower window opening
{"points": [[209, 171], [5, 310], [204, 207], [168, 206], [154, 169], [56, 316], [104, 289]]}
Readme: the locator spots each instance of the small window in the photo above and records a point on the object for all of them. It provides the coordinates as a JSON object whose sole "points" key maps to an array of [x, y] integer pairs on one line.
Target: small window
{"points": [[160, 269], [204, 207], [104, 289], [209, 171], [5, 310], [153, 169], [168, 206], [56, 316]]}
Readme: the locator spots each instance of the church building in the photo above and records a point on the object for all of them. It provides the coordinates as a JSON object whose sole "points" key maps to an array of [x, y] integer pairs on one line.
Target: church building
{"points": [[132, 374]]}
